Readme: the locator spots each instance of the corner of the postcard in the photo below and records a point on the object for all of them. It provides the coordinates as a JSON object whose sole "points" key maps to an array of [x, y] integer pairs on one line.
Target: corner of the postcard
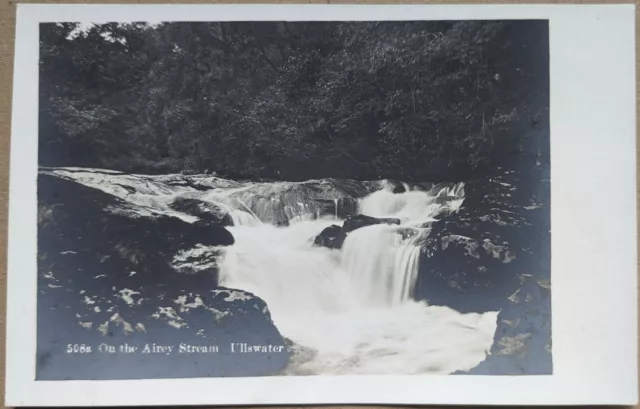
{"points": [[632, 400], [10, 398], [24, 10], [21, 7]]}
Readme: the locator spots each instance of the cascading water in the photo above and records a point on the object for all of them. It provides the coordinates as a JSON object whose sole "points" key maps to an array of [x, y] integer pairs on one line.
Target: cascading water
{"points": [[349, 311], [380, 264]]}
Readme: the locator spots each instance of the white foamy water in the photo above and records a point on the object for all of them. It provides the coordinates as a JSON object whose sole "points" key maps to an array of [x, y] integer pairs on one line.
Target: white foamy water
{"points": [[351, 311], [413, 207]]}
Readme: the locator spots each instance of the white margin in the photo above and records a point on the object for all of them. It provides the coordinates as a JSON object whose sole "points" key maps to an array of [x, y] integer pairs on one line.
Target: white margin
{"points": [[593, 196]]}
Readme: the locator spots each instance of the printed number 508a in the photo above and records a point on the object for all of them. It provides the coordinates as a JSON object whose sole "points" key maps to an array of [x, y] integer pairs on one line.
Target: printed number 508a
{"points": [[78, 349]]}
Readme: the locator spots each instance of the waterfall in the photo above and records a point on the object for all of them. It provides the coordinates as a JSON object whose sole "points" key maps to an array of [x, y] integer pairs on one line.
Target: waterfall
{"points": [[382, 266], [354, 307], [352, 310]]}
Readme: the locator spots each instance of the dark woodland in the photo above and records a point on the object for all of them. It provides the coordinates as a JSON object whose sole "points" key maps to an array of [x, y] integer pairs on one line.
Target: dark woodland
{"points": [[221, 183], [294, 100]]}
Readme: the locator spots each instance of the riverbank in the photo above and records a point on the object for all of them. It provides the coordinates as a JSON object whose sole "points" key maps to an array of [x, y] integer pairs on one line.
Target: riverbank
{"points": [[374, 304]]}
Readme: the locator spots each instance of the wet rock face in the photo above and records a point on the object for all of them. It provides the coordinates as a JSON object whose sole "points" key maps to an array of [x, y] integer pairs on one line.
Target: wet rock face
{"points": [[203, 210], [360, 220], [94, 221], [112, 273], [466, 270], [494, 254], [340, 208], [472, 258], [522, 342], [333, 236], [399, 189]]}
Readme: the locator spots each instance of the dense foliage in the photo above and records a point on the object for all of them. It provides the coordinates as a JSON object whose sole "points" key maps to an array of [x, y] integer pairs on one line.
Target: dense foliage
{"points": [[292, 100]]}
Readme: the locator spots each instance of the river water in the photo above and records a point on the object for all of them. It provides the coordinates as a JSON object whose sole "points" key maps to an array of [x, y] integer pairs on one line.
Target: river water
{"points": [[350, 311]]}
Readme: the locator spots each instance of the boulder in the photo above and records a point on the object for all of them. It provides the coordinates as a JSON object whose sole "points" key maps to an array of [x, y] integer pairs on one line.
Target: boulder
{"points": [[180, 316], [399, 188], [209, 233], [333, 236], [466, 273], [111, 278], [493, 254], [102, 225], [360, 220], [203, 210], [472, 258], [522, 342]]}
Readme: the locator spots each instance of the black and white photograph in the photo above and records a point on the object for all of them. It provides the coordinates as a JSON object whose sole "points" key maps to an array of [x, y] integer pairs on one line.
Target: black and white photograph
{"points": [[293, 198], [321, 204]]}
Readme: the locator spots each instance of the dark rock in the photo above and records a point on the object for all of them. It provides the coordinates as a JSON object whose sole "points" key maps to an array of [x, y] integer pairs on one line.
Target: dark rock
{"points": [[360, 220], [522, 342], [464, 273], [396, 186], [264, 206], [399, 189], [210, 233], [472, 258], [191, 312], [493, 254], [203, 210], [445, 199], [353, 188], [195, 184], [106, 224], [109, 274], [407, 232], [332, 237]]}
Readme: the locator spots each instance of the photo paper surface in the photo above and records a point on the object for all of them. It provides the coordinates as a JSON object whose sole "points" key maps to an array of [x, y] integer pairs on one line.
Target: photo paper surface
{"points": [[295, 198], [222, 199]]}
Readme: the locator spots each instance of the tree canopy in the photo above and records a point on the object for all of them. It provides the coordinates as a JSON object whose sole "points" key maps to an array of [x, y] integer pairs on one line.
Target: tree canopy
{"points": [[291, 100]]}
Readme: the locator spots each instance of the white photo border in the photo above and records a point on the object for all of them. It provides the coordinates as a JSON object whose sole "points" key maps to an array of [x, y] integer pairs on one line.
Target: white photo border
{"points": [[593, 219]]}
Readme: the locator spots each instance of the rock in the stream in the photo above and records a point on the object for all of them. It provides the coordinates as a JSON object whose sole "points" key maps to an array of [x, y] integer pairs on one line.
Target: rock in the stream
{"points": [[399, 189], [333, 236], [109, 274], [360, 220], [203, 210], [210, 233]]}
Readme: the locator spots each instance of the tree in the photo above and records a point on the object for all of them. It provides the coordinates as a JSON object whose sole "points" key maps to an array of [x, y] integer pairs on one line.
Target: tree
{"points": [[406, 100]]}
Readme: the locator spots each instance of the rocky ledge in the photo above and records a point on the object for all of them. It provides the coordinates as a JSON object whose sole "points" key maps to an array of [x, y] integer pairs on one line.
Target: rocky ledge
{"points": [[522, 342], [109, 275], [333, 236], [493, 254]]}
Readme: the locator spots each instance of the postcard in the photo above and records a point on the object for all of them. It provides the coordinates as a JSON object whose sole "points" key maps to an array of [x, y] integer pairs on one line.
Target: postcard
{"points": [[298, 204]]}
